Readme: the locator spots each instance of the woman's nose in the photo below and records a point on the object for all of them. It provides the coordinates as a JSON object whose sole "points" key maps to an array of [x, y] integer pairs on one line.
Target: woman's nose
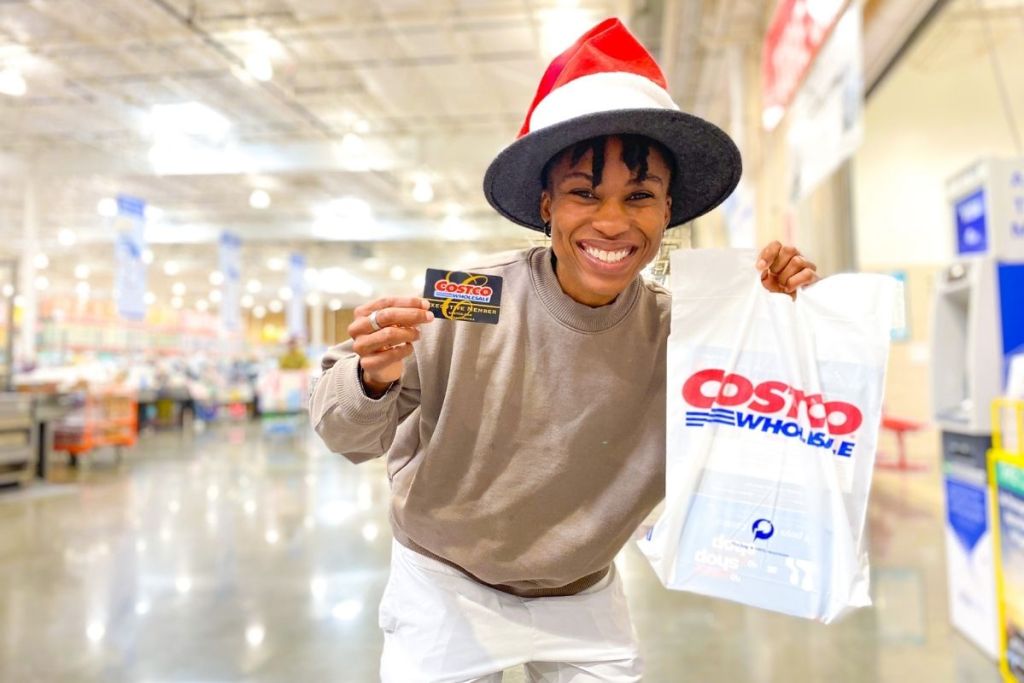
{"points": [[611, 218]]}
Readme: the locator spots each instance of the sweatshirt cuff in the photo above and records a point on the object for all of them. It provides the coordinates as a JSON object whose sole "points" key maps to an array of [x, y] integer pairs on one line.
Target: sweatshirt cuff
{"points": [[353, 402]]}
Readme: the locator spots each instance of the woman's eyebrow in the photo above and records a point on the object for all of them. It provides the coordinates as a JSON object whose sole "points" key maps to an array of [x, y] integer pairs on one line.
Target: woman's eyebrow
{"points": [[579, 174], [649, 176]]}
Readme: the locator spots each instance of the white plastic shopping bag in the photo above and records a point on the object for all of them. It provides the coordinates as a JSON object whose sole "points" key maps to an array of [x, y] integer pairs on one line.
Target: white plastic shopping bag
{"points": [[773, 413]]}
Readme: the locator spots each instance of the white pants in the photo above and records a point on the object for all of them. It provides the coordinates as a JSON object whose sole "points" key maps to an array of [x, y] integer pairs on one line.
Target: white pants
{"points": [[440, 626]]}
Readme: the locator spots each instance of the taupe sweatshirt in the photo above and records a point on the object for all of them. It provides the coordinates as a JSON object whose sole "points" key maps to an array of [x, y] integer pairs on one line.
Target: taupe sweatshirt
{"points": [[524, 453]]}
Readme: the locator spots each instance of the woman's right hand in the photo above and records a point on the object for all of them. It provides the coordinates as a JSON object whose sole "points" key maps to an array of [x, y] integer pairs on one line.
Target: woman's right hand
{"points": [[382, 351]]}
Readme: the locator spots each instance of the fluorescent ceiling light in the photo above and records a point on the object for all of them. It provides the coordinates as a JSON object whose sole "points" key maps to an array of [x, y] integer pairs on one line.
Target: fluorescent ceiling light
{"points": [[147, 256], [107, 207], [82, 289], [422, 190], [275, 264], [12, 83], [275, 306], [216, 278], [215, 296], [66, 237], [149, 298], [259, 312], [254, 286], [178, 289], [352, 208], [247, 301], [397, 273], [259, 199], [41, 261], [81, 271], [189, 118], [171, 268], [334, 304], [259, 66]]}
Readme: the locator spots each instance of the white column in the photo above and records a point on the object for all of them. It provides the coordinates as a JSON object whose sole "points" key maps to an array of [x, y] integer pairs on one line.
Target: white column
{"points": [[27, 273], [316, 327]]}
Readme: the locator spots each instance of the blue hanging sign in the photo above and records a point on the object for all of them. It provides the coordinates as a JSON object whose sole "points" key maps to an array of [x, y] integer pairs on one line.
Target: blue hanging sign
{"points": [[130, 243]]}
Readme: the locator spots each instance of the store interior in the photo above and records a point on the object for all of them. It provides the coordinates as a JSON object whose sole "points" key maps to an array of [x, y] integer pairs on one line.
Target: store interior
{"points": [[197, 196]]}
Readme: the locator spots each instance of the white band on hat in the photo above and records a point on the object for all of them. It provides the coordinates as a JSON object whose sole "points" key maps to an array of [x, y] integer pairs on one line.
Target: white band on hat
{"points": [[608, 91]]}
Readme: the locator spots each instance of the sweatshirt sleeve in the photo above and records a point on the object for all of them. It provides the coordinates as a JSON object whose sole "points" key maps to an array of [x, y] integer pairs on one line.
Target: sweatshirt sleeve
{"points": [[350, 422]]}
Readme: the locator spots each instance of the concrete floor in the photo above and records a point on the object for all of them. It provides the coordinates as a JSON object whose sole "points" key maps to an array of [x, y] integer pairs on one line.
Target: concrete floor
{"points": [[225, 556]]}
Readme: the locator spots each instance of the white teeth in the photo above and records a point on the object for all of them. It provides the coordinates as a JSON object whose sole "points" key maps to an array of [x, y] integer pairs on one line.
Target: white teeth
{"points": [[607, 256]]}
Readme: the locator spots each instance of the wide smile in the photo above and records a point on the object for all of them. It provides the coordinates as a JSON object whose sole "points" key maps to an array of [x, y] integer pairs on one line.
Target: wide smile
{"points": [[608, 260]]}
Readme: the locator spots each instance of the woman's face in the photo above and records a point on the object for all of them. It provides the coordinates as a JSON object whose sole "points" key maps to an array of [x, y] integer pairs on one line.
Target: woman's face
{"points": [[603, 236]]}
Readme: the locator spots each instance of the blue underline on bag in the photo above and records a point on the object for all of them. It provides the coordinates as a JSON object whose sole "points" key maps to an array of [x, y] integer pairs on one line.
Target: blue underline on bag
{"points": [[763, 423]]}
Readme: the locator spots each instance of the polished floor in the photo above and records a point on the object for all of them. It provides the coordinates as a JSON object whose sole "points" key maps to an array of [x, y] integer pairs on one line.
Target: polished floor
{"points": [[228, 555]]}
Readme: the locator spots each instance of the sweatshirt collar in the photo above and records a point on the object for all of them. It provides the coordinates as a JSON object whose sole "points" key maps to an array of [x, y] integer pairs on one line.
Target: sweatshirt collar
{"points": [[567, 310]]}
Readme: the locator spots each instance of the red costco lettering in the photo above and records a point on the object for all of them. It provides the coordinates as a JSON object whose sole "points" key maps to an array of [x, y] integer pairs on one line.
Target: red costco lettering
{"points": [[470, 290], [711, 387]]}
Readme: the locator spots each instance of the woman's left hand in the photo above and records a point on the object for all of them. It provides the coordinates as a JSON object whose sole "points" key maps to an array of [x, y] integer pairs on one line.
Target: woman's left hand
{"points": [[784, 269]]}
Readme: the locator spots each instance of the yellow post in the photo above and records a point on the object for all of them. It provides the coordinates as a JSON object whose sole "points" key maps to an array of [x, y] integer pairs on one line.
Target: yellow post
{"points": [[1001, 455]]}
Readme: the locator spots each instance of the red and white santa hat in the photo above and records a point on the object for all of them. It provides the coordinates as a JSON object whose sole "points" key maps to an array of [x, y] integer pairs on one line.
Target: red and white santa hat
{"points": [[607, 83]]}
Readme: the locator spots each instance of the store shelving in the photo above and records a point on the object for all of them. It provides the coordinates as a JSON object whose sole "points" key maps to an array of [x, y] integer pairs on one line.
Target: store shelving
{"points": [[17, 439]]}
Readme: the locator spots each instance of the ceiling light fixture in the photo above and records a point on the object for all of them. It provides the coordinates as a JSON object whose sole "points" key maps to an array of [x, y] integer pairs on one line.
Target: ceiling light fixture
{"points": [[189, 118], [41, 261], [12, 83], [81, 271], [422, 189], [259, 66], [259, 199], [107, 207], [66, 237], [216, 278]]}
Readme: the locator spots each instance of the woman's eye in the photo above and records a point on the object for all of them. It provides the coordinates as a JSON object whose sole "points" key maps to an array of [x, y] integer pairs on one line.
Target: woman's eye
{"points": [[586, 194], [641, 195]]}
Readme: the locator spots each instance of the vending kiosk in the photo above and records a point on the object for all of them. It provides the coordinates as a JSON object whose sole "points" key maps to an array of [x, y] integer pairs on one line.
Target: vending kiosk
{"points": [[977, 325]]}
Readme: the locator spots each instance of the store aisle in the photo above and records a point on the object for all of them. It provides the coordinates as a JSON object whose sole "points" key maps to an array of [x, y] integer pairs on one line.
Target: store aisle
{"points": [[229, 556]]}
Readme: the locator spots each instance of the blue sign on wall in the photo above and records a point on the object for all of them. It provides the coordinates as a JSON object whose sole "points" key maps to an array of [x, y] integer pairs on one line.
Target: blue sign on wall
{"points": [[971, 224]]}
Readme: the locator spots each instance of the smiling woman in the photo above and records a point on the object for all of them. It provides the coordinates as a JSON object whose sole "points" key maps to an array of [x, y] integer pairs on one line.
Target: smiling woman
{"points": [[607, 205]]}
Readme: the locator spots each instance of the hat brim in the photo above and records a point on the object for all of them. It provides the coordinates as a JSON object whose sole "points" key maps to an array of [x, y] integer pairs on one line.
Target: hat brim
{"points": [[708, 164]]}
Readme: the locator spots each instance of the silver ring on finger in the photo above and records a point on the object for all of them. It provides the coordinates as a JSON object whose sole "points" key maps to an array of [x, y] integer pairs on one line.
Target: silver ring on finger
{"points": [[373, 322]]}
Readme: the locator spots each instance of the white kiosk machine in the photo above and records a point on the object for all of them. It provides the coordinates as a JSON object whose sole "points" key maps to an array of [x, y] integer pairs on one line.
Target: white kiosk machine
{"points": [[978, 323]]}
